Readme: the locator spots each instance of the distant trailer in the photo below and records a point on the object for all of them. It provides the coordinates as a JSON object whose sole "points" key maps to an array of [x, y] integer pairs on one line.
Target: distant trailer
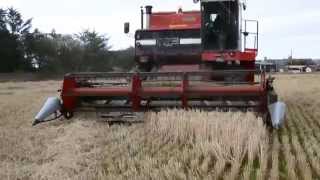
{"points": [[268, 67], [300, 69]]}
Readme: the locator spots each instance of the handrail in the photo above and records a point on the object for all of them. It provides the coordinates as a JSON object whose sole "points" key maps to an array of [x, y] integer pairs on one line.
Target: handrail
{"points": [[256, 33], [160, 74]]}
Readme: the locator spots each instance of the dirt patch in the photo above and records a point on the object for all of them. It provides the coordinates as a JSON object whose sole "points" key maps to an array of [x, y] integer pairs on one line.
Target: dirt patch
{"points": [[57, 150], [23, 77], [6, 93], [15, 87]]}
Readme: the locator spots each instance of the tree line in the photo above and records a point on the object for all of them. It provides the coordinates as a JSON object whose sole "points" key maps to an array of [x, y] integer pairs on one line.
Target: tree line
{"points": [[25, 50]]}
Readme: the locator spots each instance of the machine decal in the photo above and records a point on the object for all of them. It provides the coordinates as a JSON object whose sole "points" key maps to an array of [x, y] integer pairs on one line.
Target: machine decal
{"points": [[146, 42], [190, 41]]}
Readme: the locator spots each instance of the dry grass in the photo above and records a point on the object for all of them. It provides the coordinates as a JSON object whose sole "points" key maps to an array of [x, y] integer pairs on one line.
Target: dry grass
{"points": [[170, 145], [179, 144], [59, 150]]}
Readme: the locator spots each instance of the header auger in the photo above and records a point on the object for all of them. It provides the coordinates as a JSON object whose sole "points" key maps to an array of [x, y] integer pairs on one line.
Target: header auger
{"points": [[185, 59]]}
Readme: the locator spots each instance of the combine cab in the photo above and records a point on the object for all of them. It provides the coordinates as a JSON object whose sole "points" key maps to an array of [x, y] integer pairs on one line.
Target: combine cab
{"points": [[185, 59]]}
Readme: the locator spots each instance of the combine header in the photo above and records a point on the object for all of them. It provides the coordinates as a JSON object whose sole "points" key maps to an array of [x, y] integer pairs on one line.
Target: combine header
{"points": [[189, 60]]}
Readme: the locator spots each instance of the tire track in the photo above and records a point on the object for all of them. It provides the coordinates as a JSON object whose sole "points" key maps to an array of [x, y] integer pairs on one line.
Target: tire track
{"points": [[310, 144], [316, 126], [275, 158], [298, 143], [263, 160], [255, 166], [219, 168], [290, 128], [233, 172], [289, 157], [269, 163], [249, 168], [309, 131], [283, 171]]}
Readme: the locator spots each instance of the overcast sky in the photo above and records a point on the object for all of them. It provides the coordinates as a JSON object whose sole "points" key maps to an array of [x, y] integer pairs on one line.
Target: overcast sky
{"points": [[284, 24]]}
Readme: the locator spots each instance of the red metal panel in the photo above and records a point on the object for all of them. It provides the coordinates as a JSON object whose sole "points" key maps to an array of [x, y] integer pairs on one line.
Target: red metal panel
{"points": [[135, 92], [69, 102], [180, 68], [173, 20], [249, 65], [184, 90], [229, 55], [103, 92], [184, 86], [203, 91], [161, 91], [228, 91]]}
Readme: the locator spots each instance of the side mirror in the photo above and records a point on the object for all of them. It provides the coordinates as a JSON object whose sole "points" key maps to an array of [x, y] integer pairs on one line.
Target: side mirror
{"points": [[245, 33], [126, 28]]}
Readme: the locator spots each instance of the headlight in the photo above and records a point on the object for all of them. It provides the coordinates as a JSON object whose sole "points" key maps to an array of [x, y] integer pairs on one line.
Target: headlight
{"points": [[220, 59], [144, 59], [232, 54]]}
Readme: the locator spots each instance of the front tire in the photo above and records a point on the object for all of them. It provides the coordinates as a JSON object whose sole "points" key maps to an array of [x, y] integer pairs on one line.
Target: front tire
{"points": [[68, 115]]}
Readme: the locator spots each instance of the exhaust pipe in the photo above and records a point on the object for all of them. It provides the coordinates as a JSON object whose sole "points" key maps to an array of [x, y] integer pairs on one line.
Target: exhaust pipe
{"points": [[142, 18], [50, 107], [277, 112], [148, 14]]}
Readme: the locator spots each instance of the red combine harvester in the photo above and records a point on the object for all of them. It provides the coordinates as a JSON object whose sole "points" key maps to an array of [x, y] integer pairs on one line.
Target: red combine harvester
{"points": [[185, 59]]}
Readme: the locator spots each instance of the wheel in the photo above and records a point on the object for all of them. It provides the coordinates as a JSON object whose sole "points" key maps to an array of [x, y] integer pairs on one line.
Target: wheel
{"points": [[272, 97], [267, 119], [68, 115]]}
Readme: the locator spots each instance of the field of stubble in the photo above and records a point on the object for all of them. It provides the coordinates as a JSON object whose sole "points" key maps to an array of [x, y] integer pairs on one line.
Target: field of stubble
{"points": [[170, 145]]}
